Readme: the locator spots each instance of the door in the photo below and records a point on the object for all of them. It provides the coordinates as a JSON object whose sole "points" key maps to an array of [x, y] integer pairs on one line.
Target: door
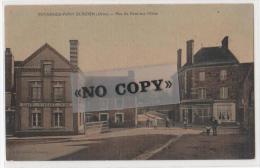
{"points": [[189, 115]]}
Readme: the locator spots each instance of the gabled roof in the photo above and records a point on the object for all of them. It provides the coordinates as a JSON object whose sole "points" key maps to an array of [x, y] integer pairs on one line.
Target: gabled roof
{"points": [[46, 45], [214, 55]]}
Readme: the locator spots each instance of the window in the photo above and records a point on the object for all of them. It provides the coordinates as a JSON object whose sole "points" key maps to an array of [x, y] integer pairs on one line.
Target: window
{"points": [[89, 117], [202, 93], [224, 92], [203, 112], [224, 112], [47, 68], [36, 90], [58, 91], [36, 117], [202, 76], [119, 118], [58, 117], [103, 116], [202, 115], [223, 75]]}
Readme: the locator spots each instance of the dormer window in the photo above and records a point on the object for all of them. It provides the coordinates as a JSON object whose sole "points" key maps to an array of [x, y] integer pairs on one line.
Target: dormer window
{"points": [[47, 68]]}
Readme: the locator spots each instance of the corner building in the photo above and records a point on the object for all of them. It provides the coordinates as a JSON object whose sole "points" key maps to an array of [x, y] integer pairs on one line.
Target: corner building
{"points": [[210, 83], [44, 96]]}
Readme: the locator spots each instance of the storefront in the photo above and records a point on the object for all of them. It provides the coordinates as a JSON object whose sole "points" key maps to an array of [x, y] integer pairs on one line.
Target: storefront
{"points": [[196, 114], [224, 112]]}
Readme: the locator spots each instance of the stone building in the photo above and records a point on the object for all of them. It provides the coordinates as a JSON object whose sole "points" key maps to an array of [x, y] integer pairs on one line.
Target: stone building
{"points": [[113, 109], [43, 93], [120, 118], [9, 91], [39, 96], [210, 83]]}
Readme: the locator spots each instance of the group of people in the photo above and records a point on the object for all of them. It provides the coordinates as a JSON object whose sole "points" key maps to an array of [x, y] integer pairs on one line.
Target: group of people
{"points": [[151, 123], [212, 124]]}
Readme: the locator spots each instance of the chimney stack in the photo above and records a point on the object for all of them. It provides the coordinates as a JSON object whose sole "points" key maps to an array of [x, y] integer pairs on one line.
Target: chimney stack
{"points": [[8, 51], [74, 52], [225, 42], [189, 51], [179, 59], [9, 70]]}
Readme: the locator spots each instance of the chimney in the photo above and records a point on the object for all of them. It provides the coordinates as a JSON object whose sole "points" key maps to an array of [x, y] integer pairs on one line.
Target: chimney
{"points": [[9, 70], [8, 52], [189, 51], [178, 59], [225, 42], [74, 52]]}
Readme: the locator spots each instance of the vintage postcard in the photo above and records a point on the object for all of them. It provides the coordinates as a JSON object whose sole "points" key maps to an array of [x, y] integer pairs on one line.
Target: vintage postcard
{"points": [[129, 82]]}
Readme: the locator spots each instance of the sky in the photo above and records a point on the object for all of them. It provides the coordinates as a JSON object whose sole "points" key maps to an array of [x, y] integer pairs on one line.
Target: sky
{"points": [[114, 41]]}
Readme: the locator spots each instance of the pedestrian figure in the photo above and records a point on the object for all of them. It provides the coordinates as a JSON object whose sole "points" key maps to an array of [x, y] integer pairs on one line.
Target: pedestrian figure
{"points": [[214, 127], [167, 123], [155, 123], [185, 122], [147, 123], [208, 128]]}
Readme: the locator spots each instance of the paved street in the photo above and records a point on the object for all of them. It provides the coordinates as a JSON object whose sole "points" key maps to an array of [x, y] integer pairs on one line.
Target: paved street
{"points": [[127, 144], [207, 147], [118, 144]]}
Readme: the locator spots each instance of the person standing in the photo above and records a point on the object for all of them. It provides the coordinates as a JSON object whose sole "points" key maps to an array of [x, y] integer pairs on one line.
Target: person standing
{"points": [[185, 123], [147, 123], [155, 123], [214, 127], [167, 123], [208, 128]]}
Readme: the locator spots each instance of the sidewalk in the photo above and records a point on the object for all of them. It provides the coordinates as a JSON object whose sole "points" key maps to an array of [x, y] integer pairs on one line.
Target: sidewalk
{"points": [[115, 132]]}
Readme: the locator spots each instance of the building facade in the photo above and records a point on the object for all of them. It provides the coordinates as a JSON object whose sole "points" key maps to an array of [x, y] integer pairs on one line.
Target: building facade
{"points": [[44, 95], [40, 99], [124, 118], [210, 83], [113, 109], [9, 91]]}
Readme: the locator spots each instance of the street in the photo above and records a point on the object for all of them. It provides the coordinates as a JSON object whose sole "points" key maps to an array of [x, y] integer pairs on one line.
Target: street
{"points": [[207, 147], [128, 144]]}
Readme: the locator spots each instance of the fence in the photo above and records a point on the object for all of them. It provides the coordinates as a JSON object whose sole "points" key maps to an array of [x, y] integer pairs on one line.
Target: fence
{"points": [[96, 127]]}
